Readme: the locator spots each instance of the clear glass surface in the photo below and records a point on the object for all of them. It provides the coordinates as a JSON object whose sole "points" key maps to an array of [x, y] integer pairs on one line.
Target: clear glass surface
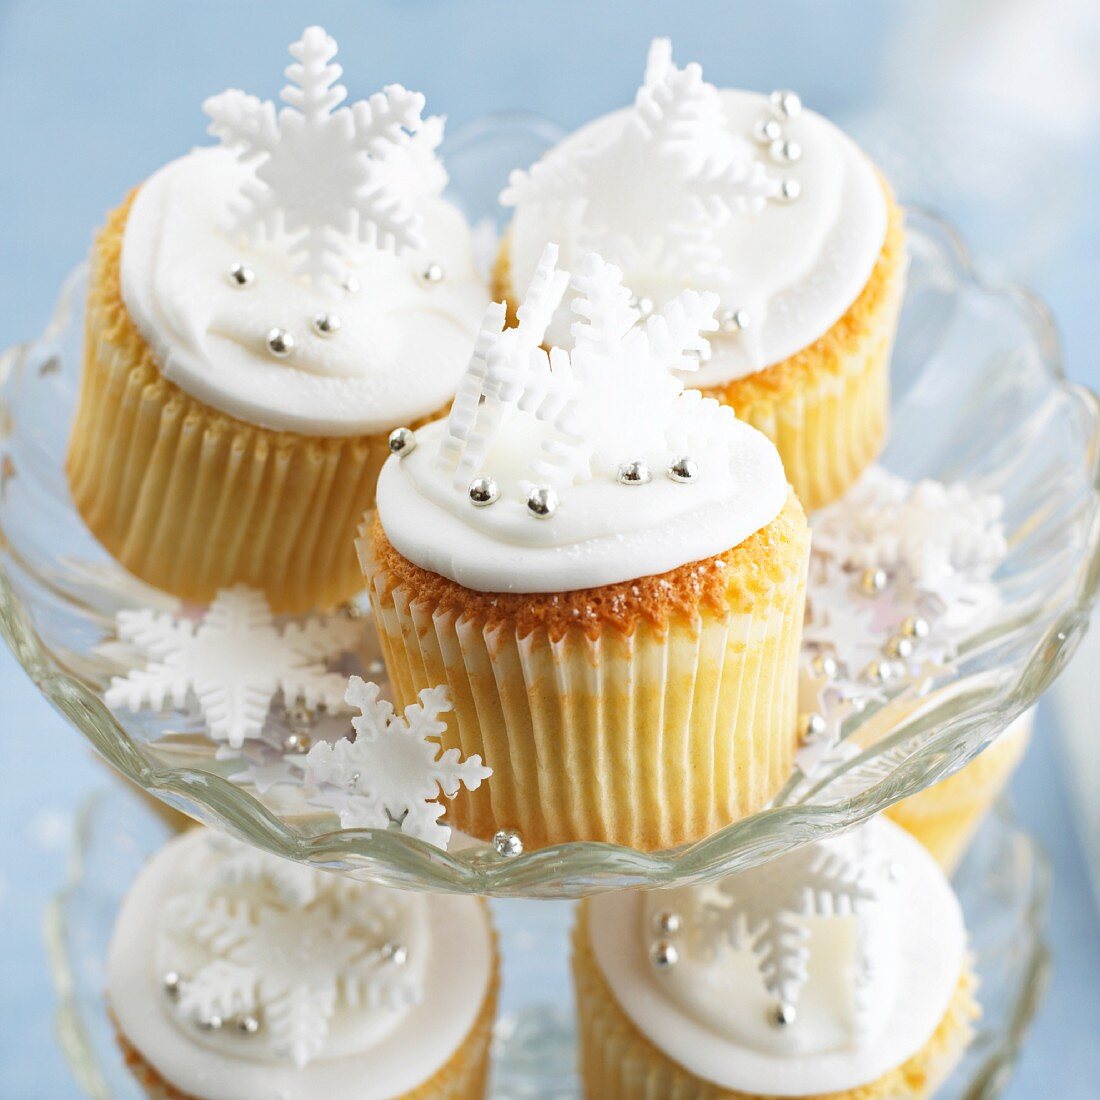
{"points": [[1002, 885], [978, 397]]}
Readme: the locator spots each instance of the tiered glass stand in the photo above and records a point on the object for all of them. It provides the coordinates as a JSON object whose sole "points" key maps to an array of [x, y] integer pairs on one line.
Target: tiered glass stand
{"points": [[978, 397]]}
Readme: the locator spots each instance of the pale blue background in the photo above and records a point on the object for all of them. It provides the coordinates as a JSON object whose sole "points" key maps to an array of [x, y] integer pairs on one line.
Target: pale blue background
{"points": [[93, 96]]}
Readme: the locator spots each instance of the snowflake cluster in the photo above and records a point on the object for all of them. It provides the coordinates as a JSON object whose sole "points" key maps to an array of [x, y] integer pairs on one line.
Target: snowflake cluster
{"points": [[324, 174], [683, 168], [395, 769], [614, 398], [285, 947], [765, 909], [232, 663]]}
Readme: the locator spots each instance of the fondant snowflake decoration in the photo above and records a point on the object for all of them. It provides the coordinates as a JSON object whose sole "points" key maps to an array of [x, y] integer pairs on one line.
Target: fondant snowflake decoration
{"points": [[289, 963], [243, 865], [395, 770], [233, 663], [613, 399], [681, 168], [324, 174], [763, 909]]}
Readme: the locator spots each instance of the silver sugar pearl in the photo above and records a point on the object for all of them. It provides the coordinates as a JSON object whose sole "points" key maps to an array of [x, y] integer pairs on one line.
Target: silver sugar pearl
{"points": [[507, 843], [297, 743], [326, 324], [899, 646], [733, 321], [240, 275], [248, 1025], [432, 274], [644, 306], [683, 470], [666, 922], [663, 954], [483, 491], [376, 667], [912, 626], [785, 152], [824, 664], [396, 953], [402, 441], [542, 502], [790, 190], [783, 1015], [211, 1023], [872, 581], [810, 726], [352, 285], [634, 473], [878, 672], [785, 104], [280, 342], [766, 130], [172, 984]]}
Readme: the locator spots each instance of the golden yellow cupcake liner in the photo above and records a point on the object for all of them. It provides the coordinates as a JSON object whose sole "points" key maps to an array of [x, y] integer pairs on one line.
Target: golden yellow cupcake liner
{"points": [[619, 1063], [945, 816], [191, 500], [648, 738], [464, 1076]]}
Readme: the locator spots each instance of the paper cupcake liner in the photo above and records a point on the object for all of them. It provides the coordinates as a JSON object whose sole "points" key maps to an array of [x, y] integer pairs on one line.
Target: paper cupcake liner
{"points": [[619, 1063], [650, 738], [464, 1076], [191, 500], [945, 816]]}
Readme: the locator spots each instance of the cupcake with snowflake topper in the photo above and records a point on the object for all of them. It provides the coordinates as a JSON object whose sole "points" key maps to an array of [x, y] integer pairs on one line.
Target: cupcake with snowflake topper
{"points": [[767, 205], [261, 314], [605, 569], [839, 971], [233, 974]]}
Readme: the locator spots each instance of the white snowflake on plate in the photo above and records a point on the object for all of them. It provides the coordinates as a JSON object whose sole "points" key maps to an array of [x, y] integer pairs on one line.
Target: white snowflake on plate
{"points": [[288, 959], [324, 174], [615, 396], [395, 769], [681, 167], [764, 910], [233, 662]]}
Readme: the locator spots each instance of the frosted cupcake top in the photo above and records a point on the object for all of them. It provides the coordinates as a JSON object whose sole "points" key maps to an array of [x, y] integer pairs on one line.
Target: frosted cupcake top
{"points": [[238, 975], [307, 275], [754, 198], [557, 471], [818, 972]]}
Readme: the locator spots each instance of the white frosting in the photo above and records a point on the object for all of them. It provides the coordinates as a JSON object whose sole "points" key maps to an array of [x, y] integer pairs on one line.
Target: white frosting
{"points": [[710, 1013], [402, 342], [603, 532], [370, 1052], [794, 267]]}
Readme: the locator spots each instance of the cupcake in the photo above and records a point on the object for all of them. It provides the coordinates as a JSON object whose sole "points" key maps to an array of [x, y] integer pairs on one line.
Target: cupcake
{"points": [[234, 975], [606, 570], [945, 816], [261, 314], [837, 972], [763, 203]]}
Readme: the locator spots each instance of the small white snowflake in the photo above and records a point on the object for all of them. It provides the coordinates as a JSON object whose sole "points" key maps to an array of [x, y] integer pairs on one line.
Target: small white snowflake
{"points": [[324, 174], [394, 770], [681, 169], [288, 958], [233, 662], [762, 909]]}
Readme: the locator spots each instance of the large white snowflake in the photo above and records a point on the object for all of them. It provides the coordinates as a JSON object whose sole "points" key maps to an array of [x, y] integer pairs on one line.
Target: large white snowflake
{"points": [[233, 662], [289, 960], [612, 399], [764, 910], [324, 174], [680, 167], [395, 769]]}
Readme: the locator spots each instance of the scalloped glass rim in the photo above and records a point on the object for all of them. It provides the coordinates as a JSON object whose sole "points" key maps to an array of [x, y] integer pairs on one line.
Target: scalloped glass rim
{"points": [[1003, 885], [999, 344]]}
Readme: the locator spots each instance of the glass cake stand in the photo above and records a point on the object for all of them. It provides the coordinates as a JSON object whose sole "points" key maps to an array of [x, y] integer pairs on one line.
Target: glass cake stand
{"points": [[1002, 885], [978, 397]]}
